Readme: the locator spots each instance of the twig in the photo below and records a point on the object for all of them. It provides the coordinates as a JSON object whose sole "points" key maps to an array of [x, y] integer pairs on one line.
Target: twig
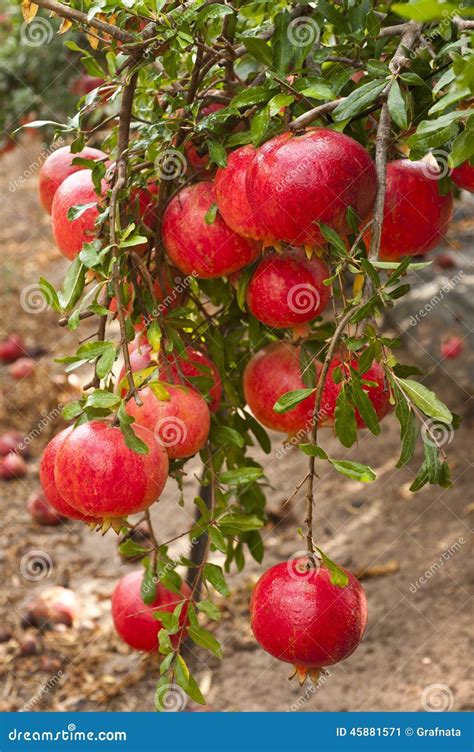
{"points": [[65, 11]]}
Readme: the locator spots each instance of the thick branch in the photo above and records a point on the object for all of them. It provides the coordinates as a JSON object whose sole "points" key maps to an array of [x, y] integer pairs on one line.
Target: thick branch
{"points": [[64, 11]]}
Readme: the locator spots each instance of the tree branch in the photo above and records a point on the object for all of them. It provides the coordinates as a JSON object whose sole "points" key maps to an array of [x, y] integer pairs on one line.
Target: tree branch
{"points": [[64, 11]]}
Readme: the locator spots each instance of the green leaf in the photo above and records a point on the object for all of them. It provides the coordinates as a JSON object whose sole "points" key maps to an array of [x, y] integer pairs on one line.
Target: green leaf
{"points": [[241, 477], [259, 49], [337, 575], [408, 429], [148, 587], [92, 350], [217, 539], [354, 470], [102, 398], [333, 238], [251, 96], [160, 391], [131, 549], [74, 212], [89, 254], [49, 294], [259, 433], [131, 439], [358, 100], [217, 154], [206, 640], [313, 451], [290, 399], [106, 362], [425, 10], [208, 608], [364, 405], [259, 125], [426, 400], [222, 435], [233, 524], [213, 11], [396, 106], [73, 285], [345, 420], [277, 102], [215, 576], [186, 681], [72, 410], [211, 214]]}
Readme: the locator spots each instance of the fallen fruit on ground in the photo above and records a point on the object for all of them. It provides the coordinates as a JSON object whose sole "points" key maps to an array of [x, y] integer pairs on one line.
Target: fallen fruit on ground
{"points": [[41, 510], [70, 235], [54, 605], [96, 473], [270, 373], [12, 466], [57, 167], [180, 421], [22, 368], [287, 289], [206, 249], [134, 620], [298, 181], [452, 348], [300, 617], [12, 348], [14, 441]]}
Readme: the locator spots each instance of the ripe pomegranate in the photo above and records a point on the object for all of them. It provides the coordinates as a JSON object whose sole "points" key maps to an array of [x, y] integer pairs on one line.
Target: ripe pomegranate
{"points": [[55, 605], [134, 620], [379, 395], [12, 348], [41, 510], [12, 466], [180, 424], [416, 215], [75, 190], [96, 473], [195, 247], [48, 482], [270, 373], [463, 176], [452, 348], [22, 368], [298, 181], [231, 194], [194, 363], [287, 289], [14, 441], [146, 199], [299, 617], [57, 167], [84, 84]]}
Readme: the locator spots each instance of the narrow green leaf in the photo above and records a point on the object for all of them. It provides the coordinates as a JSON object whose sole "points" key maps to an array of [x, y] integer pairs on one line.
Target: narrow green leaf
{"points": [[354, 470], [206, 640], [241, 477], [345, 420], [215, 576], [290, 399], [73, 285], [396, 105], [313, 451], [208, 608], [426, 400], [358, 100], [337, 575]]}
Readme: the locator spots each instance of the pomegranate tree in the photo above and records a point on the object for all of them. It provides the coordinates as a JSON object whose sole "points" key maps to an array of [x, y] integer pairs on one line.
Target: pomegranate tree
{"points": [[239, 244]]}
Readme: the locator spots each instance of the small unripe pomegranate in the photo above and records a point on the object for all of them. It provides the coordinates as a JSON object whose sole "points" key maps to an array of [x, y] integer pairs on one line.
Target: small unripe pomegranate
{"points": [[463, 176], [41, 510], [379, 395], [75, 190], [180, 424], [55, 605], [12, 466], [57, 167], [231, 194], [22, 368], [48, 482], [416, 215], [300, 617], [270, 373], [287, 289], [12, 348], [196, 247], [134, 620], [452, 348], [96, 473], [298, 181]]}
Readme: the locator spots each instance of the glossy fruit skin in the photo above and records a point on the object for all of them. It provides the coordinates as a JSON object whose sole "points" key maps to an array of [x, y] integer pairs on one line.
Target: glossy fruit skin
{"points": [[232, 197], [41, 510], [133, 619], [194, 363], [181, 424], [299, 617], [57, 167], [379, 395], [12, 348], [463, 176], [195, 247], [98, 474], [416, 215], [287, 289], [48, 482], [298, 181], [270, 373], [70, 236]]}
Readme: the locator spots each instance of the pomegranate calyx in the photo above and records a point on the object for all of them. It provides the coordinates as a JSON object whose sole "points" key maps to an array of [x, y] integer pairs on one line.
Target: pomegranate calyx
{"points": [[302, 672], [309, 250], [107, 523]]}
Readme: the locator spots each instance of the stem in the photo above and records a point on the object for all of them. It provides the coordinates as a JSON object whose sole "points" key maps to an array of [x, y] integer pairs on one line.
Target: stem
{"points": [[64, 11]]}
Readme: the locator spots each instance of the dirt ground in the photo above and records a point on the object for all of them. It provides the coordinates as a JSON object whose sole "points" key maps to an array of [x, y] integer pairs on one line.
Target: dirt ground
{"points": [[415, 654]]}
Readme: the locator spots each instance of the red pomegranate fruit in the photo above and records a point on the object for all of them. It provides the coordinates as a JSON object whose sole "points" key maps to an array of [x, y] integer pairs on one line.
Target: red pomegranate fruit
{"points": [[452, 348], [270, 373], [463, 176], [231, 194], [12, 466], [41, 510], [298, 181], [180, 424], [287, 289], [48, 482], [76, 190], [416, 215], [134, 620], [379, 395], [146, 201], [55, 605], [12, 348], [14, 441], [300, 617], [194, 363], [57, 167], [22, 368], [96, 473], [196, 247]]}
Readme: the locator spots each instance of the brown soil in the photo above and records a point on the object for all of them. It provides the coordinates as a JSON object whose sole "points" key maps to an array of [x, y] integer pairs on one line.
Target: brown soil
{"points": [[418, 630]]}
